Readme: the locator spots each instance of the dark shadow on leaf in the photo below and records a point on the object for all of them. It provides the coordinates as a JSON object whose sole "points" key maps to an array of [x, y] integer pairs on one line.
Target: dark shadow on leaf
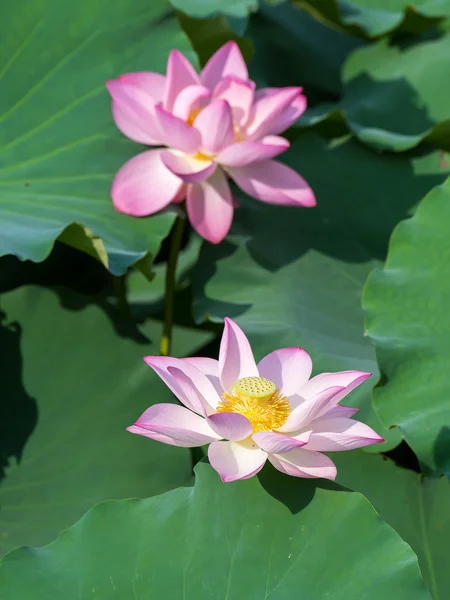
{"points": [[410, 34], [123, 324], [295, 493], [404, 457], [441, 451], [294, 48], [77, 278], [361, 196], [64, 267], [212, 348], [18, 410]]}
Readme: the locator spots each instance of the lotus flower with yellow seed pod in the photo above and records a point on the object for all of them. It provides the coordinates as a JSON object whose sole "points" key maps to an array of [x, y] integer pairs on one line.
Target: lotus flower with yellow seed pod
{"points": [[250, 413]]}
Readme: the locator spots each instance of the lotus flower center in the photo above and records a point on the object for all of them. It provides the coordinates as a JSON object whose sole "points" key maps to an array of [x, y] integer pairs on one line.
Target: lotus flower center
{"points": [[259, 400], [194, 112], [203, 156]]}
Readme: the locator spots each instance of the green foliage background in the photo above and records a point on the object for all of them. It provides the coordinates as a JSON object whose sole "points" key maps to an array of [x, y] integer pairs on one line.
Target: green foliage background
{"points": [[361, 282]]}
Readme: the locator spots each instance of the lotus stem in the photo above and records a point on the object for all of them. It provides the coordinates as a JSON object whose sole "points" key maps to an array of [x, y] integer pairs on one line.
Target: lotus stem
{"points": [[175, 244]]}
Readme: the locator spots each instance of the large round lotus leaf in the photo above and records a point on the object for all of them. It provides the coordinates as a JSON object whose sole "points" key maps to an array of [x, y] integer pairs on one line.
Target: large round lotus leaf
{"points": [[407, 306], [395, 97], [59, 147], [206, 8], [218, 540], [293, 276], [416, 507], [73, 379], [378, 17]]}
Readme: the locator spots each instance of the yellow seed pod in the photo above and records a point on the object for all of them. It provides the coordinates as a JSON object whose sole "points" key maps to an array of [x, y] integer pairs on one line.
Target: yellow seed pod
{"points": [[255, 387]]}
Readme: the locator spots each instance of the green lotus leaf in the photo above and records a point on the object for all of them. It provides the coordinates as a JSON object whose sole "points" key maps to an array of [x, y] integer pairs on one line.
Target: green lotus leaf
{"points": [[270, 538]]}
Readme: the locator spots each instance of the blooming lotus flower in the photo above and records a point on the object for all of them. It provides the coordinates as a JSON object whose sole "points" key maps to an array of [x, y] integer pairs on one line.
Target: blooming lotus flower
{"points": [[250, 413], [213, 125]]}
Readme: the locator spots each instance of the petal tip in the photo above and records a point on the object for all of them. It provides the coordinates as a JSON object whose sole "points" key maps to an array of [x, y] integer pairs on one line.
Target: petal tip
{"points": [[135, 428], [222, 103], [309, 199], [230, 46], [364, 376], [175, 53], [149, 359], [215, 239], [235, 78], [298, 349], [312, 202], [112, 85], [293, 92]]}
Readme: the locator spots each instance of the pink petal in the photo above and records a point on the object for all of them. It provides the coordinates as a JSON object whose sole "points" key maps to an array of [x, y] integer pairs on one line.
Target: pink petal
{"points": [[176, 133], [215, 124], [244, 153], [342, 411], [332, 434], [134, 97], [274, 183], [210, 368], [191, 393], [277, 443], [231, 426], [228, 60], [152, 84], [210, 207], [303, 463], [269, 107], [180, 75], [174, 425], [186, 167], [312, 408], [288, 368], [181, 196], [287, 116], [184, 393], [235, 460], [190, 99], [144, 185], [348, 380], [239, 95], [235, 357]]}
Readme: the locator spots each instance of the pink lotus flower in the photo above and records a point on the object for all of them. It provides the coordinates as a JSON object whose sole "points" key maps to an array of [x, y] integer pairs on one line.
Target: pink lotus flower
{"points": [[270, 410], [214, 124]]}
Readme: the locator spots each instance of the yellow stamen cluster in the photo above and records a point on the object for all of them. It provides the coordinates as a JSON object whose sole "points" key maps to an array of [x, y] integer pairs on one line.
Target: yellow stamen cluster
{"points": [[238, 135], [193, 115], [259, 400], [202, 156]]}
